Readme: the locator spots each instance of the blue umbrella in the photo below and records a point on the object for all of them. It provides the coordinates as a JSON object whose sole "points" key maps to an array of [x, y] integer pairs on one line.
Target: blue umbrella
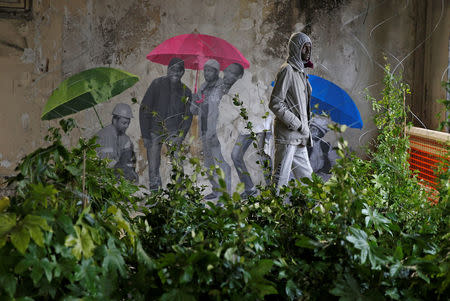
{"points": [[330, 99]]}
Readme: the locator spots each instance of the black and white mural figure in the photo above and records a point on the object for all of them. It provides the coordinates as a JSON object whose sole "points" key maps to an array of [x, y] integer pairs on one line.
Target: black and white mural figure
{"points": [[206, 105], [232, 73], [164, 112], [290, 103], [321, 155], [116, 145]]}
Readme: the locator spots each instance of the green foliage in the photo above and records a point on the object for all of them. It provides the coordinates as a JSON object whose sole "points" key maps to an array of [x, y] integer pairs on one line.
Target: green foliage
{"points": [[49, 246], [369, 233]]}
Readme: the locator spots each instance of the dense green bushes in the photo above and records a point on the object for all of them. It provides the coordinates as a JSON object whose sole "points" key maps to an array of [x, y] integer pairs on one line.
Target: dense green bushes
{"points": [[368, 233]]}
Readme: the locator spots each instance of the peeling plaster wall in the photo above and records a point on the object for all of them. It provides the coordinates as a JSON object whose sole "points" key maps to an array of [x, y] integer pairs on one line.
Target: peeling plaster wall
{"points": [[350, 40], [437, 61], [353, 43], [30, 68]]}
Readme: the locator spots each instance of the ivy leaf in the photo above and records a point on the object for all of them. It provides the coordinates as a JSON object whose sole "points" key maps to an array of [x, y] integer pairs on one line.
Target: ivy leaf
{"points": [[369, 249], [259, 284], [82, 243], [87, 273], [393, 293], [72, 241], [393, 270], [65, 222], [7, 222], [263, 267], [48, 268], [4, 203], [122, 223], [24, 264], [96, 237], [379, 222], [423, 276], [36, 235], [20, 238], [144, 258], [8, 283], [75, 171], [42, 193], [359, 240], [34, 224], [36, 273], [113, 260], [292, 291], [230, 255], [187, 275], [34, 220]]}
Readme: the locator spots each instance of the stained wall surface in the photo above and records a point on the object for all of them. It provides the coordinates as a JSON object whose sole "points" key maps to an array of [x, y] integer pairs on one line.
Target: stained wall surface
{"points": [[352, 40]]}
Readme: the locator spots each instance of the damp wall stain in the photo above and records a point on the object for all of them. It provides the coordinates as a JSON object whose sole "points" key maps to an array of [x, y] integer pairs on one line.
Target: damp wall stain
{"points": [[313, 10]]}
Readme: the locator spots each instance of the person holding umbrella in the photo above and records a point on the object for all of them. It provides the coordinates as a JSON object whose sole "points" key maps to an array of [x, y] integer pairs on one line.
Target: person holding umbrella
{"points": [[290, 103], [196, 49], [164, 116], [207, 107]]}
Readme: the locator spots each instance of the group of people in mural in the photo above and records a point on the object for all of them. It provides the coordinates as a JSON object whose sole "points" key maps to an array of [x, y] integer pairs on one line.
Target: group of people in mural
{"points": [[168, 107]]}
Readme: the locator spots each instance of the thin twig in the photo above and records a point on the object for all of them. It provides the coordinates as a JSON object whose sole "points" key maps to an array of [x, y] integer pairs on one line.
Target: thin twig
{"points": [[84, 180], [404, 114]]}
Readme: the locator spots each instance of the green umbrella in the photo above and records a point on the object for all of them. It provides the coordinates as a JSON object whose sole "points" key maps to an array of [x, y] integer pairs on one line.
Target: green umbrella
{"points": [[86, 89]]}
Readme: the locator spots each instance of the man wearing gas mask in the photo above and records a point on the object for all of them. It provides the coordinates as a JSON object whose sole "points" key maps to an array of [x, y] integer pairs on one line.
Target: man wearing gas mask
{"points": [[290, 103]]}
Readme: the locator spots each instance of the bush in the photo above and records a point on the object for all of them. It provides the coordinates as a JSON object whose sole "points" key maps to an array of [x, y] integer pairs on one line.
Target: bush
{"points": [[367, 233]]}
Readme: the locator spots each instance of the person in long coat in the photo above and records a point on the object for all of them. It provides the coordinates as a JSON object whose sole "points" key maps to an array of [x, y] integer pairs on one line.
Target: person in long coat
{"points": [[164, 116], [290, 103]]}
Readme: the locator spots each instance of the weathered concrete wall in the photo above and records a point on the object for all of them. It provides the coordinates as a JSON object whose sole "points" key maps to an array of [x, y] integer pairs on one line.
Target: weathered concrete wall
{"points": [[431, 61], [30, 68], [350, 40], [436, 60]]}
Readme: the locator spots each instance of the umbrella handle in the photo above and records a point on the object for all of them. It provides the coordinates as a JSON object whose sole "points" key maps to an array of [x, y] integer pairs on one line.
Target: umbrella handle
{"points": [[98, 117], [196, 80]]}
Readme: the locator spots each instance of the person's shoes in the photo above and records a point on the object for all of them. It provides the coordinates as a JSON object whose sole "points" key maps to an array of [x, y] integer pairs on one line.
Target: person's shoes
{"points": [[211, 196], [248, 193]]}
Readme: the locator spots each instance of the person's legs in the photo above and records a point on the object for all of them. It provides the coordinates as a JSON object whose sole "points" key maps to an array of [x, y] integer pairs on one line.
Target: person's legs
{"points": [[284, 155], [301, 166], [237, 155], [153, 146], [213, 156], [263, 156]]}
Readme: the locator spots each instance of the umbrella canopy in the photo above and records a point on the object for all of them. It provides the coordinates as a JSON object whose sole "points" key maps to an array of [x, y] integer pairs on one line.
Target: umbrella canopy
{"points": [[195, 49], [330, 99], [86, 89]]}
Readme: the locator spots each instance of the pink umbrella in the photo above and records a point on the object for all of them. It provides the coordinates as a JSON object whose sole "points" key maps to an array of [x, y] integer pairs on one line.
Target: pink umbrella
{"points": [[195, 49]]}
